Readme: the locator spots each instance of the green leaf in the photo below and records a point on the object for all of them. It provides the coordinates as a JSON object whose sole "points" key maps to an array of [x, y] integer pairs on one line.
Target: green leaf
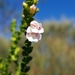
{"points": [[27, 59], [25, 69]]}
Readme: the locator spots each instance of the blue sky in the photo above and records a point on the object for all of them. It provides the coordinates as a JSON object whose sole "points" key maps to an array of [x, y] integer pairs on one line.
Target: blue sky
{"points": [[56, 9], [49, 9]]}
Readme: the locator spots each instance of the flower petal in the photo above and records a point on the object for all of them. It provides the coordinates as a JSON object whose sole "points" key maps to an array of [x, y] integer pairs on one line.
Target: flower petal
{"points": [[28, 29], [33, 37]]}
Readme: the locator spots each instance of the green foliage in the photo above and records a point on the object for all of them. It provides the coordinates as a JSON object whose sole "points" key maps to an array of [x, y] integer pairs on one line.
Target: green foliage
{"points": [[53, 55], [13, 55]]}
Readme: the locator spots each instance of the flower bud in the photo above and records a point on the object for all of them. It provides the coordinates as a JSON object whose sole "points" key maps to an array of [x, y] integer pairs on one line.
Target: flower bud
{"points": [[23, 15], [32, 9], [25, 5], [13, 58], [35, 1], [17, 50], [37, 9]]}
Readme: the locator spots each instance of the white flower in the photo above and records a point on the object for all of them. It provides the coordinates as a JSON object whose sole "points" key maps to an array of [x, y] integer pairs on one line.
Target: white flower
{"points": [[35, 27], [33, 37], [34, 31]]}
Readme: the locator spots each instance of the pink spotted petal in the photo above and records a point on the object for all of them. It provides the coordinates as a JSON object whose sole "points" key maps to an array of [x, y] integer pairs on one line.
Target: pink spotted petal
{"points": [[33, 37]]}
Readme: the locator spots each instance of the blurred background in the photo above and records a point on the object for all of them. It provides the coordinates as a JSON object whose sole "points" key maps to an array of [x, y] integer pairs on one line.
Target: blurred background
{"points": [[55, 53]]}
